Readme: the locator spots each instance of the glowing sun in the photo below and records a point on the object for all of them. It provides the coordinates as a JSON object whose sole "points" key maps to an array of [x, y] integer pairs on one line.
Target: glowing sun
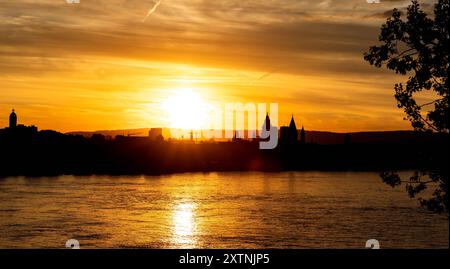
{"points": [[186, 109]]}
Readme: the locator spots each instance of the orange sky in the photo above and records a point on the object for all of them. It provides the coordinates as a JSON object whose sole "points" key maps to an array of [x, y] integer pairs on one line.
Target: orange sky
{"points": [[102, 64]]}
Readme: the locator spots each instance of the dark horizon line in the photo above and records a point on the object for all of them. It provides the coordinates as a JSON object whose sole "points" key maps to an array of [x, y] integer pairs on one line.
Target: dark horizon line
{"points": [[169, 128], [206, 129]]}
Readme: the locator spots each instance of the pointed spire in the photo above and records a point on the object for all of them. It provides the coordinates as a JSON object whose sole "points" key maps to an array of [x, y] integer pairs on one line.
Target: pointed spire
{"points": [[267, 125], [292, 123], [302, 135]]}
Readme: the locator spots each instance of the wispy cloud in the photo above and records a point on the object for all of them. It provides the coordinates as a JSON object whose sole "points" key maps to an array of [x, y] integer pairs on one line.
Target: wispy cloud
{"points": [[82, 56], [153, 9]]}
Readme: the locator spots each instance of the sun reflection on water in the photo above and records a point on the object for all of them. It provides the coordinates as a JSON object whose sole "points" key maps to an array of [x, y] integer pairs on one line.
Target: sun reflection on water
{"points": [[183, 225]]}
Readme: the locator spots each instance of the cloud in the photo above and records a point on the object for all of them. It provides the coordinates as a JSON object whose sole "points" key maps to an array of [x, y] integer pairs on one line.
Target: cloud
{"points": [[99, 51], [250, 34], [150, 12]]}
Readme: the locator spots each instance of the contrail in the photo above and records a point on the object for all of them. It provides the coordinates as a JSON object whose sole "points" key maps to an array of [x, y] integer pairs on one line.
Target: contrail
{"points": [[262, 76], [266, 75], [152, 10]]}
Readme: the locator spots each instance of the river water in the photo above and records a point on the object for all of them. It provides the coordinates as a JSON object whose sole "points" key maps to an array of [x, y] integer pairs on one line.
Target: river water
{"points": [[215, 210]]}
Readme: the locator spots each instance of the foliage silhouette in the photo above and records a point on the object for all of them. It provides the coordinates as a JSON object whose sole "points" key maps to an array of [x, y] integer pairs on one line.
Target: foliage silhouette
{"points": [[418, 47]]}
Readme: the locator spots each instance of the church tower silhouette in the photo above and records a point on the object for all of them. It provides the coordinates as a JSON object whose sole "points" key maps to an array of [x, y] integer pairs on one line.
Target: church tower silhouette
{"points": [[293, 132]]}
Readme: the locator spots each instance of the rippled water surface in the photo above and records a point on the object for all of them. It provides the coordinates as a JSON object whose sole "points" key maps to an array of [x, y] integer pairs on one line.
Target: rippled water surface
{"points": [[215, 210]]}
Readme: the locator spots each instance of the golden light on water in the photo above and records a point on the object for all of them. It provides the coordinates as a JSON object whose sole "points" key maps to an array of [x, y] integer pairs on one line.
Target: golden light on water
{"points": [[183, 225]]}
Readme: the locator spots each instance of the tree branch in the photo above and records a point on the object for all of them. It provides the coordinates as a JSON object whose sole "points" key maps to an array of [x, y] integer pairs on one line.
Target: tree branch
{"points": [[400, 55], [427, 123], [430, 103], [418, 182]]}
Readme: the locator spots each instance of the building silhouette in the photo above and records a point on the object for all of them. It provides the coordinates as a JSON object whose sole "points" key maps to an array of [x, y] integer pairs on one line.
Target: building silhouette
{"points": [[18, 130], [13, 119], [347, 139], [156, 134], [302, 135], [266, 127], [29, 152], [289, 134]]}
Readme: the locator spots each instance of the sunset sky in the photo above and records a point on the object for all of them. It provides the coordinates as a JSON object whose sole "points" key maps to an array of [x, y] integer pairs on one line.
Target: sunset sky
{"points": [[111, 64]]}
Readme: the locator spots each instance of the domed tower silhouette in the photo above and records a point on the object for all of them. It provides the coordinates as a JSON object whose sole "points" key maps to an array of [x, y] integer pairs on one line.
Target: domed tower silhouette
{"points": [[13, 120]]}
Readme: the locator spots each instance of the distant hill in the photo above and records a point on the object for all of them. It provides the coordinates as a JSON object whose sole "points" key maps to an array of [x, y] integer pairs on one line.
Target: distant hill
{"points": [[114, 133], [318, 137], [329, 138]]}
